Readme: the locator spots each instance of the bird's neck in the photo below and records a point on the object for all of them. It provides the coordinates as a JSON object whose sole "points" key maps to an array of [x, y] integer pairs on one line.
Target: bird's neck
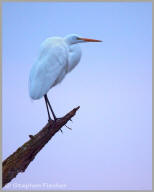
{"points": [[74, 56]]}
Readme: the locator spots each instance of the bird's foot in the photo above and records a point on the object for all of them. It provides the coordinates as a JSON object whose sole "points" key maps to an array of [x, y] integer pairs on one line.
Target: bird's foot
{"points": [[57, 119], [71, 120], [68, 127], [49, 120], [61, 130]]}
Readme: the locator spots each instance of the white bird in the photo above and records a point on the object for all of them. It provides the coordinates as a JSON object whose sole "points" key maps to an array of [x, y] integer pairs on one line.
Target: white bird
{"points": [[57, 57]]}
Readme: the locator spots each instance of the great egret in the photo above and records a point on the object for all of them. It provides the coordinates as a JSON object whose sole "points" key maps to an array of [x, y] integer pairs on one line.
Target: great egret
{"points": [[56, 58]]}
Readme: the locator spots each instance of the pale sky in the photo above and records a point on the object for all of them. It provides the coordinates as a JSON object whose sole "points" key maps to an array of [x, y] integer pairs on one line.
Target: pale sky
{"points": [[110, 145]]}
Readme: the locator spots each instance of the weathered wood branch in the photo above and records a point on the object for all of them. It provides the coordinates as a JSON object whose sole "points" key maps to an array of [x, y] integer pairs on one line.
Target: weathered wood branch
{"points": [[21, 158]]}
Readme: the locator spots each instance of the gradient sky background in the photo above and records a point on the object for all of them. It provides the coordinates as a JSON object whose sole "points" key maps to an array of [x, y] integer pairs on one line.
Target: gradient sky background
{"points": [[110, 146]]}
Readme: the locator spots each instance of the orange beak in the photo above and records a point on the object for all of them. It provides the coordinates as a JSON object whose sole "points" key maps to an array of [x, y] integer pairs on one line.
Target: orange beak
{"points": [[89, 40]]}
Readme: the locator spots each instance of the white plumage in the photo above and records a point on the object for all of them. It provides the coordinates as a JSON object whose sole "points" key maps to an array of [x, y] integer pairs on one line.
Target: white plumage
{"points": [[57, 57]]}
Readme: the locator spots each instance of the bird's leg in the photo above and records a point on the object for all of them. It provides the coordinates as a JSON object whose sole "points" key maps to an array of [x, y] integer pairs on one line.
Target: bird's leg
{"points": [[47, 108], [48, 103], [55, 118]]}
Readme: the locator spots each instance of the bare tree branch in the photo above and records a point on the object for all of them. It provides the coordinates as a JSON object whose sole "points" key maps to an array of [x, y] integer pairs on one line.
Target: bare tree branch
{"points": [[21, 158]]}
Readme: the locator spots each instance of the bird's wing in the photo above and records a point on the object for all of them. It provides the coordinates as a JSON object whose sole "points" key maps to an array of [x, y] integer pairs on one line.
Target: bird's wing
{"points": [[49, 69]]}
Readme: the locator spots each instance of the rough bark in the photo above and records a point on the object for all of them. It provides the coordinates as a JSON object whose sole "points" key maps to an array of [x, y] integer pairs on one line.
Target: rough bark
{"points": [[21, 158]]}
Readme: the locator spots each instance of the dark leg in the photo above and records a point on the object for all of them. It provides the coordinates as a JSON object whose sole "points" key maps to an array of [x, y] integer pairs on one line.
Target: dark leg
{"points": [[48, 103], [47, 100], [47, 108]]}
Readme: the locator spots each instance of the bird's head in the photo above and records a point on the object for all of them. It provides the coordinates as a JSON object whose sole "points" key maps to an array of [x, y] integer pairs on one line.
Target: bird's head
{"points": [[73, 39]]}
